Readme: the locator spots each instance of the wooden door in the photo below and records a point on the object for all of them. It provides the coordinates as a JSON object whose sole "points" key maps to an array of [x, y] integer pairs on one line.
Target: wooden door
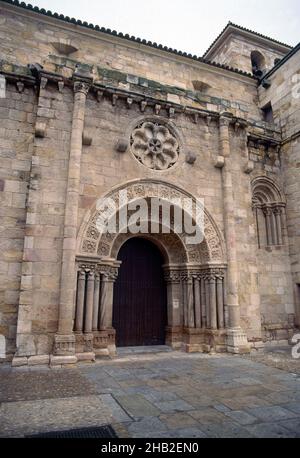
{"points": [[140, 299]]}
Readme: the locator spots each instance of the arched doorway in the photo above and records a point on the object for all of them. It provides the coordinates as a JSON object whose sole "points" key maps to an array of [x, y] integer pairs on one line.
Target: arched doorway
{"points": [[140, 296]]}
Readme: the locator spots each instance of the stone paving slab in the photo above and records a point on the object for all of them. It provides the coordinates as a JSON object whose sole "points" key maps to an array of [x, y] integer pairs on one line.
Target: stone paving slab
{"points": [[167, 395], [30, 417]]}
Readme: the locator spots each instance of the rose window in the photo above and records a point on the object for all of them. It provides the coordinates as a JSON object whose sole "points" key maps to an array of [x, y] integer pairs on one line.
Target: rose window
{"points": [[154, 146]]}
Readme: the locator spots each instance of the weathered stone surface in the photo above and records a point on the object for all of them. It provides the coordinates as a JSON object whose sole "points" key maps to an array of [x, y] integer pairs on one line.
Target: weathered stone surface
{"points": [[159, 108]]}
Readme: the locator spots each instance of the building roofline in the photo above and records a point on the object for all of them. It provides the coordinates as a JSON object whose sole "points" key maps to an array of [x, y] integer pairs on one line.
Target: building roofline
{"points": [[281, 62], [140, 41], [242, 29]]}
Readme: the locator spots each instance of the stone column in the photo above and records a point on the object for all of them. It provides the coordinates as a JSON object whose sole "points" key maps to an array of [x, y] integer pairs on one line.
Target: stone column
{"points": [[268, 215], [108, 278], [198, 307], [80, 301], [88, 321], [190, 302], [172, 279], [96, 302], [220, 303], [207, 301], [174, 292], [68, 272], [277, 213], [203, 303], [236, 338], [213, 302]]}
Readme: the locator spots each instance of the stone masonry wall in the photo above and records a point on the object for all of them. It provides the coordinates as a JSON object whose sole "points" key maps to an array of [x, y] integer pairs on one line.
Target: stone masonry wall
{"points": [[35, 132], [17, 114], [284, 95], [236, 52]]}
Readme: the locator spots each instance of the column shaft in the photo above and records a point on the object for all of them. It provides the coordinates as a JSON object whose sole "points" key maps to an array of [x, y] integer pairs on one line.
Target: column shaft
{"points": [[80, 302], [203, 304], [220, 303], [88, 322], [207, 301], [229, 223], [213, 303], [96, 303], [279, 227], [190, 303], [68, 272], [198, 311]]}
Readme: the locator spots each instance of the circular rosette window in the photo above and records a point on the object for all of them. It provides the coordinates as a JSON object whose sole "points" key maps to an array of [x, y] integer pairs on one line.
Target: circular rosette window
{"points": [[155, 146]]}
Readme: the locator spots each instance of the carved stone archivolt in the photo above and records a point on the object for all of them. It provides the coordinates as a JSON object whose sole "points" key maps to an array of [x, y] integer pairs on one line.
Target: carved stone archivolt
{"points": [[155, 145], [106, 245]]}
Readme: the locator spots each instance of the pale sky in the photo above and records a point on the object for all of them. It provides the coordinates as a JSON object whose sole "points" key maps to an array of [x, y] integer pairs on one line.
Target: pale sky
{"points": [[187, 25]]}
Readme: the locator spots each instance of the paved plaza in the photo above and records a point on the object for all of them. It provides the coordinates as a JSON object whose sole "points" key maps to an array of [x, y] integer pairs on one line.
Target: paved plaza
{"points": [[156, 394]]}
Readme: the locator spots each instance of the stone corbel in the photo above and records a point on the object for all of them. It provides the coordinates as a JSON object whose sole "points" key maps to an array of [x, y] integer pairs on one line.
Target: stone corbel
{"points": [[44, 82], [99, 95], [237, 125], [129, 102], [220, 162], [143, 106], [195, 118], [114, 99], [61, 85], [20, 86], [157, 109], [208, 120], [171, 112]]}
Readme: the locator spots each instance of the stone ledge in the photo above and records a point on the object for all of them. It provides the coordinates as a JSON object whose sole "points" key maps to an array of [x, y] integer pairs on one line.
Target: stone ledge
{"points": [[40, 360], [62, 360], [19, 362]]}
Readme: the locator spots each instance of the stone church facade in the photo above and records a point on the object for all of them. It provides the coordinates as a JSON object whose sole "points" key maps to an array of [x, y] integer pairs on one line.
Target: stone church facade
{"points": [[86, 113]]}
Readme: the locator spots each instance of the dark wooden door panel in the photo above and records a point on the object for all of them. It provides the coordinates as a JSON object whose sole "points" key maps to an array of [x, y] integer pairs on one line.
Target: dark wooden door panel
{"points": [[140, 302]]}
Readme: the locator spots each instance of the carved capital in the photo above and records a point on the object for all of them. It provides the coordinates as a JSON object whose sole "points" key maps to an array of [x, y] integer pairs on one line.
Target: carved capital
{"points": [[81, 86], [173, 276], [224, 121], [109, 273]]}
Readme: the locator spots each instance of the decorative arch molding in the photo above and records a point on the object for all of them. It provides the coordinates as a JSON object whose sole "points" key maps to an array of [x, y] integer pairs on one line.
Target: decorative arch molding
{"points": [[103, 246], [265, 190], [269, 207]]}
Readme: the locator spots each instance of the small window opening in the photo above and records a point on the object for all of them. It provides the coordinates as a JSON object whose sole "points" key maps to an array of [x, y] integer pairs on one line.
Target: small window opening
{"points": [[258, 63], [268, 113]]}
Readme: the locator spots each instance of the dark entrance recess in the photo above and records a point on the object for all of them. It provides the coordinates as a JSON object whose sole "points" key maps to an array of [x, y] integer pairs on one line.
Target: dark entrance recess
{"points": [[140, 297]]}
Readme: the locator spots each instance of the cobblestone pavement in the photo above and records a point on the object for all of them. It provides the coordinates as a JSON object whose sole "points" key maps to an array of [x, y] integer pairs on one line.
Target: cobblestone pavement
{"points": [[169, 394]]}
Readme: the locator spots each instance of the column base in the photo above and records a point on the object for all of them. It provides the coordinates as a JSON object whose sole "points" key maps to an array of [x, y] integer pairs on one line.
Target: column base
{"points": [[64, 345], [89, 357], [104, 343], [237, 342], [174, 337]]}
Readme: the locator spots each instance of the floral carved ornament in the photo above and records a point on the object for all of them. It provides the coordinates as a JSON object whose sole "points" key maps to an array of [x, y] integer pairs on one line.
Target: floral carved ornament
{"points": [[154, 146]]}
